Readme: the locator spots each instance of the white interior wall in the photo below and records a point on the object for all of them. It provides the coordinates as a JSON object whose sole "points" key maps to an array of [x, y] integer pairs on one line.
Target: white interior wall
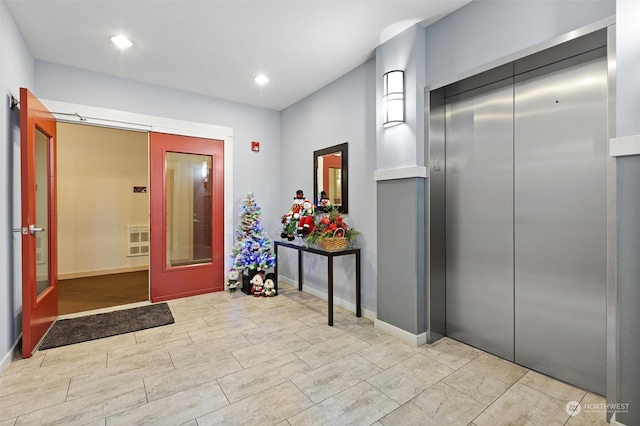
{"points": [[97, 170]]}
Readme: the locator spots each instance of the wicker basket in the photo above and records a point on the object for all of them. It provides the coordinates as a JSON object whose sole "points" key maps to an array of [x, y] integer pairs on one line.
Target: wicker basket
{"points": [[334, 243]]}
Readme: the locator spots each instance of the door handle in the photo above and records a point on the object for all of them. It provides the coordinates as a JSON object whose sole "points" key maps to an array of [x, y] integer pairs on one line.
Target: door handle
{"points": [[33, 229], [196, 221]]}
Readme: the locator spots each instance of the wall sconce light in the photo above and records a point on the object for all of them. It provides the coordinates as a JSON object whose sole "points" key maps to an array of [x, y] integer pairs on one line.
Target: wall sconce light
{"points": [[393, 98], [205, 171]]}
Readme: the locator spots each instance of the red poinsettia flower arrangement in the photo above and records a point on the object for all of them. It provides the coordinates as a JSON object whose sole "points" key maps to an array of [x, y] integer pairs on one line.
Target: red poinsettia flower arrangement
{"points": [[331, 225]]}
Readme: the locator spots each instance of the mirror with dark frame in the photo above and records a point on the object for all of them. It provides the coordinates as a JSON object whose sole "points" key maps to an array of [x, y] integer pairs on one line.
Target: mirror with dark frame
{"points": [[331, 178]]}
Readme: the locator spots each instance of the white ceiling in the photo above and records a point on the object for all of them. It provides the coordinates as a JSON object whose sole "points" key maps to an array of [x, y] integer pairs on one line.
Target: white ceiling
{"points": [[216, 47]]}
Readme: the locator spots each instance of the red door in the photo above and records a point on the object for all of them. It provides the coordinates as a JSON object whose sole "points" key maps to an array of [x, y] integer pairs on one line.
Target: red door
{"points": [[39, 240], [187, 216]]}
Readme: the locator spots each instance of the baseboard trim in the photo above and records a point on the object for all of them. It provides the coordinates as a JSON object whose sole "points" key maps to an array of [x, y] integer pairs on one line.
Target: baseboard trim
{"points": [[8, 357], [614, 422], [99, 272], [322, 295], [405, 336]]}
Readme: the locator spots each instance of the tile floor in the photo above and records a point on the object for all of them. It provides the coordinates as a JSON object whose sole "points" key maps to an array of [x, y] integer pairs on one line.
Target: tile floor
{"points": [[232, 359]]}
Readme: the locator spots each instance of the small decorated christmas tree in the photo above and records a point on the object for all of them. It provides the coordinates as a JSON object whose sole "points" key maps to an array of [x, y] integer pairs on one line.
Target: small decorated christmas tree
{"points": [[252, 250]]}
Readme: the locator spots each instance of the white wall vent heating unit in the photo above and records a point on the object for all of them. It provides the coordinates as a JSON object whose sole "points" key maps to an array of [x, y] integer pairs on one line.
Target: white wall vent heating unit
{"points": [[137, 240]]}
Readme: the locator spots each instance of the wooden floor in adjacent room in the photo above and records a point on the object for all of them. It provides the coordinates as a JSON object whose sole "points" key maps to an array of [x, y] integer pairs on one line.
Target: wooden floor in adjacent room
{"points": [[89, 293]]}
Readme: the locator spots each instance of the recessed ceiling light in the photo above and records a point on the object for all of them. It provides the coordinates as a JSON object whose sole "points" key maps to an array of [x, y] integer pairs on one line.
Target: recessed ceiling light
{"points": [[121, 41], [261, 79]]}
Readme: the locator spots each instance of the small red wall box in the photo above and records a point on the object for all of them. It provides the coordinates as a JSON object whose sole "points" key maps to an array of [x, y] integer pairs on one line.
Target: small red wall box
{"points": [[255, 146]]}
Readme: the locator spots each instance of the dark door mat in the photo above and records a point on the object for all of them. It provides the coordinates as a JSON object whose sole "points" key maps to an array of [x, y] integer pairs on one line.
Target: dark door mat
{"points": [[82, 329]]}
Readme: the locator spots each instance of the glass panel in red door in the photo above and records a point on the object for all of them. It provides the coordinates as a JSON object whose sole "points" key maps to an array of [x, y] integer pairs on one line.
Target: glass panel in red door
{"points": [[187, 216], [39, 242]]}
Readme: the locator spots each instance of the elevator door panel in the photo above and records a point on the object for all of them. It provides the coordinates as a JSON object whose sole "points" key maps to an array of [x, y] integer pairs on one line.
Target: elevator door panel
{"points": [[479, 206], [560, 221]]}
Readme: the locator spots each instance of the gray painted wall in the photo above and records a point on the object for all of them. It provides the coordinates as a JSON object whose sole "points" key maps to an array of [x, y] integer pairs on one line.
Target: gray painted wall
{"points": [[402, 145], [343, 111], [252, 171], [484, 31], [16, 70], [628, 168], [401, 270]]}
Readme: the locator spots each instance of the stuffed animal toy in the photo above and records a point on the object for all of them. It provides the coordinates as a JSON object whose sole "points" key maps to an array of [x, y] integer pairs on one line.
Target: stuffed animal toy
{"points": [[290, 219], [257, 285], [306, 222], [269, 288], [233, 280], [324, 204]]}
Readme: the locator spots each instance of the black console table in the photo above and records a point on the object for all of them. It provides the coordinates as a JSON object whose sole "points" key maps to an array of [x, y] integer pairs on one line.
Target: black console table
{"points": [[330, 255]]}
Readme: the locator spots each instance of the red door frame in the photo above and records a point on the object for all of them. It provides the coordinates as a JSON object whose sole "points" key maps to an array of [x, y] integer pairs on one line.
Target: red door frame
{"points": [[38, 312], [190, 280]]}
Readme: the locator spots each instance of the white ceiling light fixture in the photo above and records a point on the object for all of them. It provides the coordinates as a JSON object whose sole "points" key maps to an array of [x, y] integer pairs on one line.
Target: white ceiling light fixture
{"points": [[121, 41], [261, 79]]}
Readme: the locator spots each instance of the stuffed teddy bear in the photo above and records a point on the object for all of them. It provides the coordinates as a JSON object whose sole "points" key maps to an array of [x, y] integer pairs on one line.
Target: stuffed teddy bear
{"points": [[306, 222], [269, 289], [257, 285], [233, 280]]}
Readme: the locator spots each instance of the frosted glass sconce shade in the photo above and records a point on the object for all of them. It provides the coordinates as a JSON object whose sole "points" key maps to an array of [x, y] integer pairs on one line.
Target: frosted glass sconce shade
{"points": [[393, 98]]}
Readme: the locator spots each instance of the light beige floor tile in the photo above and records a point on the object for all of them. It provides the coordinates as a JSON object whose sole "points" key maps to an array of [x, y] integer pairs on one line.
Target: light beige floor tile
{"points": [[228, 310], [11, 421], [56, 373], [333, 378], [192, 312], [259, 335], [191, 423], [64, 359], [361, 404], [221, 330], [146, 353], [552, 387], [269, 350], [286, 401], [169, 332], [40, 395], [485, 378], [523, 406], [389, 352], [257, 379], [284, 423], [364, 331], [19, 364], [173, 381], [110, 378], [410, 377], [175, 409], [593, 412], [331, 350], [192, 354], [90, 408], [320, 333], [440, 405], [451, 353]]}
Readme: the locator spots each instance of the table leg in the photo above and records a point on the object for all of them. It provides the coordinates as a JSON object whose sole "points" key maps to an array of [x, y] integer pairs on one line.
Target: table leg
{"points": [[300, 270], [358, 290], [330, 288], [275, 266]]}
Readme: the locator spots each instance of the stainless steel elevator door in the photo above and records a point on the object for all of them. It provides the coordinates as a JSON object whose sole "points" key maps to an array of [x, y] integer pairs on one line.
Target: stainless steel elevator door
{"points": [[479, 212], [560, 220]]}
